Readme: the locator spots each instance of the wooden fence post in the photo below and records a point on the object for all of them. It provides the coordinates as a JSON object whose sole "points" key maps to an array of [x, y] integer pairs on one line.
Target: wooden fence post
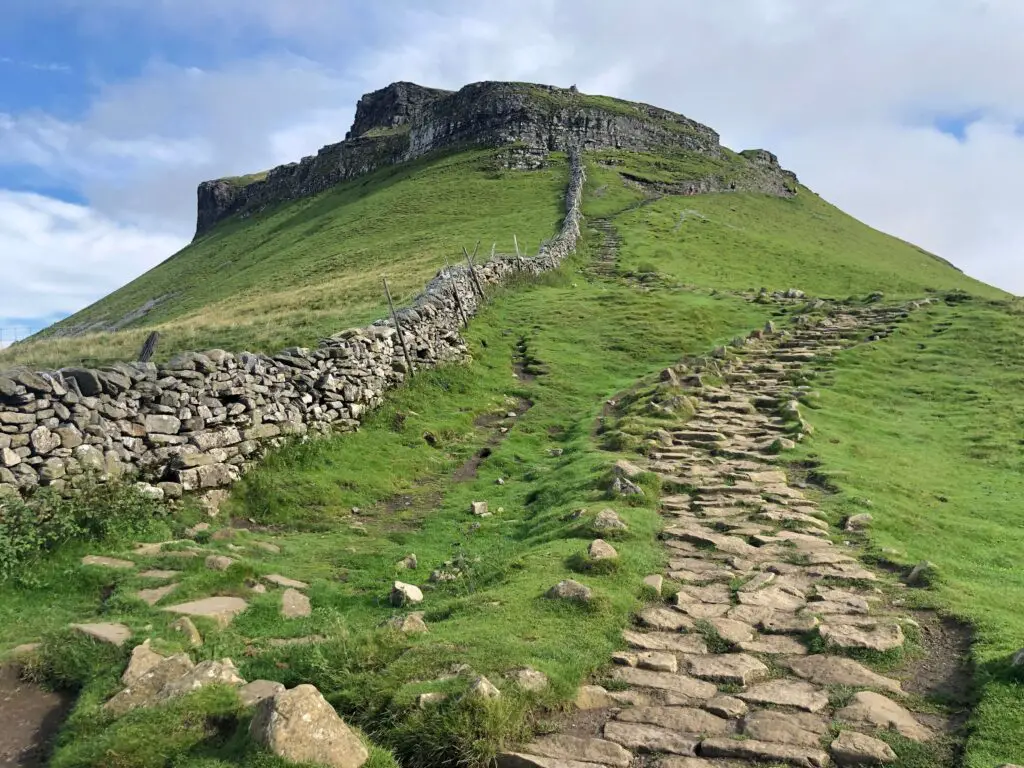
{"points": [[149, 347], [455, 293], [472, 272], [398, 328]]}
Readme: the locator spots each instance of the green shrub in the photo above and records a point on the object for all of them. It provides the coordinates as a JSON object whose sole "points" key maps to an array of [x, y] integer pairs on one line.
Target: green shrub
{"points": [[30, 528]]}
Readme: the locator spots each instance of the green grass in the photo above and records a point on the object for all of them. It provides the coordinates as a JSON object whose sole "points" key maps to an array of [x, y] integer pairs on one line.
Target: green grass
{"points": [[309, 268], [926, 427]]}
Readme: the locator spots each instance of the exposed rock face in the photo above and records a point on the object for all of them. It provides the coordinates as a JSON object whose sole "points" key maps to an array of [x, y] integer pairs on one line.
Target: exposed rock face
{"points": [[404, 121]]}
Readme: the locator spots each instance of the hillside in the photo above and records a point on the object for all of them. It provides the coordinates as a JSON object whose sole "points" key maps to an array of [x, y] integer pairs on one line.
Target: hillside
{"points": [[747, 613]]}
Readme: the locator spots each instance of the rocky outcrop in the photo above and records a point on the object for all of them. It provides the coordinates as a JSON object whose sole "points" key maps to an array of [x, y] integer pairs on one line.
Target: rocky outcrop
{"points": [[196, 422], [404, 121]]}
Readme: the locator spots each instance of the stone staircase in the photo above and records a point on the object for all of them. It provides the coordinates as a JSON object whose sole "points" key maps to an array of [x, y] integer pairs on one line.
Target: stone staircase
{"points": [[748, 663], [605, 265]]}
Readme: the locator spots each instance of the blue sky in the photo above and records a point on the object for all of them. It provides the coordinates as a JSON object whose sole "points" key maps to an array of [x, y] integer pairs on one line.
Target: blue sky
{"points": [[112, 111]]}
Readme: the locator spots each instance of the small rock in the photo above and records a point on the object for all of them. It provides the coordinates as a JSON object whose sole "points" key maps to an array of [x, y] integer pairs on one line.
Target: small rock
{"points": [[484, 689], [922, 574], [409, 562], [479, 508], [196, 529], [253, 693], [301, 727], [654, 581], [284, 581], [143, 659], [146, 689], [593, 697], [425, 700], [411, 623], [602, 550], [266, 546], [185, 626], [852, 748], [115, 634], [405, 594], [609, 520], [219, 562], [859, 522], [530, 679], [875, 710], [659, 661], [295, 605], [205, 673], [628, 469], [570, 590], [726, 706]]}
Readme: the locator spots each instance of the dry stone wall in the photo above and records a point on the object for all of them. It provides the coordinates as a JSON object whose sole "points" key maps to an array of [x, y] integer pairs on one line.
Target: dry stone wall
{"points": [[198, 421]]}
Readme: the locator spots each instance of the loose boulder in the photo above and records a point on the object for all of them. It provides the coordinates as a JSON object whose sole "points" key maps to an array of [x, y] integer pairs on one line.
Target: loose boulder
{"points": [[570, 590], [405, 594], [301, 727]]}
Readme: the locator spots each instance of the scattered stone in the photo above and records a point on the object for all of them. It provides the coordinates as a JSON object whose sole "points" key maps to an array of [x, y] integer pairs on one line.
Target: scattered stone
{"points": [[582, 750], [593, 697], [253, 693], [405, 594], [732, 668], [679, 719], [143, 659], [764, 751], [648, 738], [876, 711], [787, 693], [856, 749], [602, 550], [410, 623], [726, 706], [284, 581], [484, 689], [409, 562], [266, 546], [570, 590], [196, 529], [219, 562], [608, 520], [205, 673], [154, 596], [221, 609], [479, 508], [837, 670], [530, 679], [922, 574], [627, 469], [295, 605], [115, 634], [425, 700], [147, 689], [185, 626], [859, 522], [107, 562], [883, 637], [655, 582], [301, 727], [154, 573]]}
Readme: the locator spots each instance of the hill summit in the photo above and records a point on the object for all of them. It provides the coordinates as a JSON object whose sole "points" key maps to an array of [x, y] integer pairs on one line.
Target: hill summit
{"points": [[404, 121]]}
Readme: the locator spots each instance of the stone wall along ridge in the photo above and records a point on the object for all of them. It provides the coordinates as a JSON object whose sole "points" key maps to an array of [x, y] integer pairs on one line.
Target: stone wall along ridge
{"points": [[198, 421]]}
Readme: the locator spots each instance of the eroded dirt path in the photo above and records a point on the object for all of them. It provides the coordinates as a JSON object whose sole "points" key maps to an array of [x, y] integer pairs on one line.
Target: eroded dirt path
{"points": [[772, 646]]}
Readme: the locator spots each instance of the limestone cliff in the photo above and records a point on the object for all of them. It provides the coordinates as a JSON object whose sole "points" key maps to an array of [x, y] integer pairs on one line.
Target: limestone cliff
{"points": [[404, 121]]}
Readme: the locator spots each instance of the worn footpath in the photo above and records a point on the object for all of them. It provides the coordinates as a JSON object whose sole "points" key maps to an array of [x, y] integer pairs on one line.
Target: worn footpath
{"points": [[749, 661]]}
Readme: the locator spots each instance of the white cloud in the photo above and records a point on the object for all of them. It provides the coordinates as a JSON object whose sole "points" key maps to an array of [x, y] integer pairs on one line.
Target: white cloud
{"points": [[57, 257]]}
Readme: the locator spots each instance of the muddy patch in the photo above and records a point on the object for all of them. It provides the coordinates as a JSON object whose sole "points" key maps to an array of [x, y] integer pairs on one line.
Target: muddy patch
{"points": [[944, 673], [31, 718], [497, 422]]}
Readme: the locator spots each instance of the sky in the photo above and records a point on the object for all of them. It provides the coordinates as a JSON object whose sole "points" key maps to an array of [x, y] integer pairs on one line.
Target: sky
{"points": [[908, 115]]}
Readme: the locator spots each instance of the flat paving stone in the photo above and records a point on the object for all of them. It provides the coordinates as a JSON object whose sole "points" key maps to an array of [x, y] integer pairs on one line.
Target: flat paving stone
{"points": [[837, 670], [284, 581], [295, 605], [154, 596], [764, 751], [870, 709], [649, 738], [665, 641], [730, 668], [775, 645], [732, 631], [665, 619], [856, 749], [884, 637], [155, 573], [584, 750], [681, 684], [222, 609], [678, 719], [797, 728], [787, 693], [115, 634]]}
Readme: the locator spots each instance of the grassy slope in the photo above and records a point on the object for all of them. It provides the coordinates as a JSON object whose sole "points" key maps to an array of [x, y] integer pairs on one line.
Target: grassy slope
{"points": [[927, 427], [309, 268], [748, 241]]}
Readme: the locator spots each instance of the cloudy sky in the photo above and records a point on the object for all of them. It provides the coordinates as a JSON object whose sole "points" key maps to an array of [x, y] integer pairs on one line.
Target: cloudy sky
{"points": [[909, 115]]}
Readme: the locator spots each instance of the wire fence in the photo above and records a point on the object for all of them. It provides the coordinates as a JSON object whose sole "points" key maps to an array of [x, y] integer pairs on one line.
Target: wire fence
{"points": [[12, 333]]}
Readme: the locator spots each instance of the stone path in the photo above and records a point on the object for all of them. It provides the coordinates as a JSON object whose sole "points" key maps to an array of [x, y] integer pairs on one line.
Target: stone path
{"points": [[745, 662], [605, 265]]}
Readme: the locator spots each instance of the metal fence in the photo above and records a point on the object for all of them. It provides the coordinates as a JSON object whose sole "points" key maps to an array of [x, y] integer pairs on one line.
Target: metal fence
{"points": [[12, 333]]}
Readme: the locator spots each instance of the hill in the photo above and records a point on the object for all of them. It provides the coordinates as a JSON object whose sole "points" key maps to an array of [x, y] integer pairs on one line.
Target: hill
{"points": [[760, 425]]}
